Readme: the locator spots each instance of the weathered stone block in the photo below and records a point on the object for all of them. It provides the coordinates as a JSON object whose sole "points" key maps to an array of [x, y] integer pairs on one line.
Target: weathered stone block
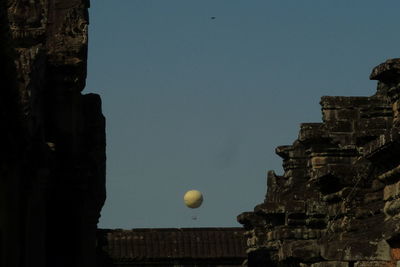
{"points": [[373, 197], [306, 250], [340, 126], [312, 133], [391, 191], [320, 160], [374, 123], [372, 209], [375, 264], [330, 264], [392, 207], [356, 250], [338, 196], [377, 185]]}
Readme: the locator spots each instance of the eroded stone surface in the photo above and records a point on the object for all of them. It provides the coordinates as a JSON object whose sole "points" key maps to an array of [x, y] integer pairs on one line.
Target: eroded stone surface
{"points": [[337, 203], [52, 165]]}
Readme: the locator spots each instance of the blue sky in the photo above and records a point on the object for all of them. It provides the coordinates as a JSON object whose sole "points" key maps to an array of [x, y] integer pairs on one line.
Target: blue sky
{"points": [[193, 102]]}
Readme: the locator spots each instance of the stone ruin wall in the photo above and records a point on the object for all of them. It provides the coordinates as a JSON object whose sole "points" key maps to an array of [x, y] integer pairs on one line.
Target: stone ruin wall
{"points": [[52, 160], [337, 203]]}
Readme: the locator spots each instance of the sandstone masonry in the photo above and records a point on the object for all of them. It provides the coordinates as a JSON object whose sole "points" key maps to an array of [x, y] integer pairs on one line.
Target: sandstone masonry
{"points": [[337, 203], [52, 160]]}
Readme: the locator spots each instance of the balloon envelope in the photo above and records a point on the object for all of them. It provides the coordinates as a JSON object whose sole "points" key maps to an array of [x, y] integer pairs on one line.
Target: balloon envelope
{"points": [[193, 199]]}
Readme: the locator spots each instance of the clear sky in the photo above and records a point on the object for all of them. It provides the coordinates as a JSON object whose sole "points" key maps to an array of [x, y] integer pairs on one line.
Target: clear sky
{"points": [[193, 102]]}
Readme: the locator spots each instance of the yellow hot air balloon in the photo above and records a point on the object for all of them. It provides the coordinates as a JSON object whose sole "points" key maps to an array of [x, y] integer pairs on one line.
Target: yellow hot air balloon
{"points": [[193, 199]]}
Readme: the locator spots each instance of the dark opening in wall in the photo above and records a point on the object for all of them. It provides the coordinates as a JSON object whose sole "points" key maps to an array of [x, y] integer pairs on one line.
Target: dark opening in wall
{"points": [[394, 244], [260, 258]]}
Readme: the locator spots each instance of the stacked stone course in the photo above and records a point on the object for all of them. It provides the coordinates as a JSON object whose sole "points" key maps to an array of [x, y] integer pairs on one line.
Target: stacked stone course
{"points": [[337, 203]]}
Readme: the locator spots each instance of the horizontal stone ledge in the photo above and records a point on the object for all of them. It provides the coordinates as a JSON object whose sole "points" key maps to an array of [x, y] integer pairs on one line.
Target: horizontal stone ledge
{"points": [[320, 161], [338, 196], [306, 250], [375, 264], [369, 210], [335, 170], [349, 102], [283, 207], [373, 197], [330, 264], [283, 151], [356, 250], [373, 124], [314, 132], [296, 233], [341, 126], [340, 114]]}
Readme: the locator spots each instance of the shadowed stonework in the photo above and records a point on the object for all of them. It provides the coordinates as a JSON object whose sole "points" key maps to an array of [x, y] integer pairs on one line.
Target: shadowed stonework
{"points": [[52, 168], [337, 202], [336, 205]]}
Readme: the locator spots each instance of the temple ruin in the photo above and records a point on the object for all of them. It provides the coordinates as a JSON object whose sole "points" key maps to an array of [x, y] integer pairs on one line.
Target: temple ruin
{"points": [[52, 161], [336, 205]]}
